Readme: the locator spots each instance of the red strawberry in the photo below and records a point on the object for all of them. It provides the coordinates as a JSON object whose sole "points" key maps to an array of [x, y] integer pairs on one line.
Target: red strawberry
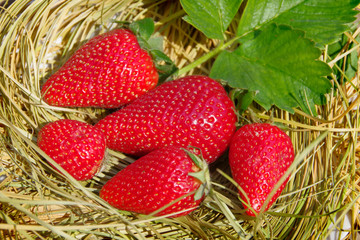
{"points": [[109, 71], [259, 156], [162, 178], [193, 110], [76, 146]]}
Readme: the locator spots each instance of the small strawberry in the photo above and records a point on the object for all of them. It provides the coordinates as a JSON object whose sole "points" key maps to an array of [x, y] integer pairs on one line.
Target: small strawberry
{"points": [[190, 111], [259, 156], [109, 71], [168, 180], [76, 146]]}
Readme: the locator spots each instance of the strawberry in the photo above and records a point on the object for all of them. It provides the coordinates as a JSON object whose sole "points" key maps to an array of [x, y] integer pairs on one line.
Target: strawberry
{"points": [[165, 181], [259, 156], [193, 110], [77, 147], [109, 71]]}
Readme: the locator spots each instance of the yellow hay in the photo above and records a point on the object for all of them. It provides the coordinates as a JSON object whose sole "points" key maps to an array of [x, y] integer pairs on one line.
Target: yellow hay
{"points": [[36, 202]]}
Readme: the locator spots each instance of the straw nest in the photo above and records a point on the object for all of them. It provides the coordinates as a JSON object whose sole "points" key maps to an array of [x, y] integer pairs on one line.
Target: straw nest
{"points": [[37, 202]]}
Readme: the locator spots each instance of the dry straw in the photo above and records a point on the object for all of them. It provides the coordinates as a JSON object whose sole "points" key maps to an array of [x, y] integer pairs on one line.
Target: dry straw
{"points": [[37, 202]]}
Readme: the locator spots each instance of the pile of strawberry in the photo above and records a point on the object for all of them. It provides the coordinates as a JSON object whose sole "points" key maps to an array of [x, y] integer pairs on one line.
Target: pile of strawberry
{"points": [[175, 129]]}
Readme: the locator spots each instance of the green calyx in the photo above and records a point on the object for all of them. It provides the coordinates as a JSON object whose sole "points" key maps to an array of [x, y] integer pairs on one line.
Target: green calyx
{"points": [[203, 175], [153, 43]]}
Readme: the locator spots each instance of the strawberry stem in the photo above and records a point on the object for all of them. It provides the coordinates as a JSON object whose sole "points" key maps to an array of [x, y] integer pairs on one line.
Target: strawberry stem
{"points": [[222, 46]]}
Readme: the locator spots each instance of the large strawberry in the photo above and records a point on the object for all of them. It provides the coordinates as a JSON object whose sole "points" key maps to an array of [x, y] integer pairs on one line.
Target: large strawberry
{"points": [[193, 110], [109, 71], [259, 155], [76, 146], [168, 180]]}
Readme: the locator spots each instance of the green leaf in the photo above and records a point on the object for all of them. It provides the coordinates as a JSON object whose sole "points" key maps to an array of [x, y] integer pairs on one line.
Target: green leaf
{"points": [[278, 64], [322, 20], [212, 17], [144, 28]]}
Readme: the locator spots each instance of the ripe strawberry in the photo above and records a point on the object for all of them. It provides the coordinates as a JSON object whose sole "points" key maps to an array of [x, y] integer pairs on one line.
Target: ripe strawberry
{"points": [[76, 146], [109, 71], [163, 181], [194, 110], [259, 156]]}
